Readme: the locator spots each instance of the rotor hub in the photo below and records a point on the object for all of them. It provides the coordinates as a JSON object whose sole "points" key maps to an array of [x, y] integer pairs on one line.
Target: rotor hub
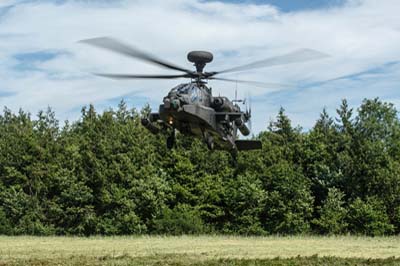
{"points": [[200, 59]]}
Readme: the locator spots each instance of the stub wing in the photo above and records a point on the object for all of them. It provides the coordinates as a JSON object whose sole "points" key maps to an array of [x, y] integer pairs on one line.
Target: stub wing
{"points": [[246, 145]]}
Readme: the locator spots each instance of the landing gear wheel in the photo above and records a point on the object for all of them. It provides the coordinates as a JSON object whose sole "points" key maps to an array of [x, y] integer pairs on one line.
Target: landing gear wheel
{"points": [[208, 139], [171, 140], [210, 143], [234, 158]]}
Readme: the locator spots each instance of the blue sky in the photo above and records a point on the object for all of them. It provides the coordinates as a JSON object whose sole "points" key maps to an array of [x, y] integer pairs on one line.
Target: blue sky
{"points": [[41, 63]]}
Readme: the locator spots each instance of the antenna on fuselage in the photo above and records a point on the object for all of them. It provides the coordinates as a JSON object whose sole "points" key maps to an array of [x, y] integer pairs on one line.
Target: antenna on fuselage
{"points": [[236, 87], [236, 99]]}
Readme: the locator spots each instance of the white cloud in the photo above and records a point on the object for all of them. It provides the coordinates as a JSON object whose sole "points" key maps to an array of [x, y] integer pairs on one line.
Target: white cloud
{"points": [[359, 36]]}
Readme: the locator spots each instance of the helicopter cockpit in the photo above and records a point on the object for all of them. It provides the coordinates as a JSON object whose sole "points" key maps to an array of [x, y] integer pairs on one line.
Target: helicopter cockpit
{"points": [[189, 92], [180, 89]]}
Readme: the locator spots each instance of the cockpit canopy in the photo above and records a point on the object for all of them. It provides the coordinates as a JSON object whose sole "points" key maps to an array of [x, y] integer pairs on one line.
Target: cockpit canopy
{"points": [[183, 88], [191, 92], [186, 88]]}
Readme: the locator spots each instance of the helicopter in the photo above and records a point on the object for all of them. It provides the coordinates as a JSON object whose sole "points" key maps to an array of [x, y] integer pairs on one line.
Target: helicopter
{"points": [[191, 108]]}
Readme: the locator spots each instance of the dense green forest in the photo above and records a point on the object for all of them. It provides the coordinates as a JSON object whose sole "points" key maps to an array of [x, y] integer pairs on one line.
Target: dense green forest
{"points": [[106, 174]]}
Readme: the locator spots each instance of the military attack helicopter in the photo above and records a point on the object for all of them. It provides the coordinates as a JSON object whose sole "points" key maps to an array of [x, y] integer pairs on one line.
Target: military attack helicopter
{"points": [[190, 107]]}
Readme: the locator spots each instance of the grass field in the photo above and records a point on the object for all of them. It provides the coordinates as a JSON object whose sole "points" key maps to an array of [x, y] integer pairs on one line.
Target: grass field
{"points": [[199, 250]]}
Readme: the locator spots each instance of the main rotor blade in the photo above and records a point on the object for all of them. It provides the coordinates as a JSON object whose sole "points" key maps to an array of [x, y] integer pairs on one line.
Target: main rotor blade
{"points": [[255, 83], [129, 76], [302, 55], [124, 49]]}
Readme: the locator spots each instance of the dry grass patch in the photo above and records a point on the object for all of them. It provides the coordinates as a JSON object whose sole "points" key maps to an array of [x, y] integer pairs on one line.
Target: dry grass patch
{"points": [[199, 249]]}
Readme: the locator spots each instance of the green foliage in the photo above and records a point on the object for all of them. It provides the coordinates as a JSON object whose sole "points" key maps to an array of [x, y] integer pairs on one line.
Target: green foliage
{"points": [[106, 174], [5, 224], [396, 218], [332, 214], [288, 203], [368, 218], [244, 199], [182, 219]]}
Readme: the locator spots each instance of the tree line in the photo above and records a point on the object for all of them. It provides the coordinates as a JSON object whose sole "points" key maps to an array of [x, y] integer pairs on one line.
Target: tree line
{"points": [[106, 174]]}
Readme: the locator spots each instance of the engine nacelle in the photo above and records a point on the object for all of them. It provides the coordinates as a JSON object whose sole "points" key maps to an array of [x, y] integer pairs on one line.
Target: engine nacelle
{"points": [[222, 104], [242, 127]]}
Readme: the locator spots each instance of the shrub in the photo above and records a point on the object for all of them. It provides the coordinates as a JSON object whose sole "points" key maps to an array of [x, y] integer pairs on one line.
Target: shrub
{"points": [[332, 214], [369, 218], [183, 219], [397, 219], [5, 225]]}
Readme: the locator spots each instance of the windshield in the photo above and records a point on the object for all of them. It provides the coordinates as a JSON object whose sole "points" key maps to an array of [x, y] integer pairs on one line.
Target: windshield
{"points": [[182, 88], [190, 90]]}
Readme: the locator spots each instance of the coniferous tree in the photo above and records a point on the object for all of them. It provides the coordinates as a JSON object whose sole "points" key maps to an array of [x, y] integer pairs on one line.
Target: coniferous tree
{"points": [[332, 214], [106, 174]]}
